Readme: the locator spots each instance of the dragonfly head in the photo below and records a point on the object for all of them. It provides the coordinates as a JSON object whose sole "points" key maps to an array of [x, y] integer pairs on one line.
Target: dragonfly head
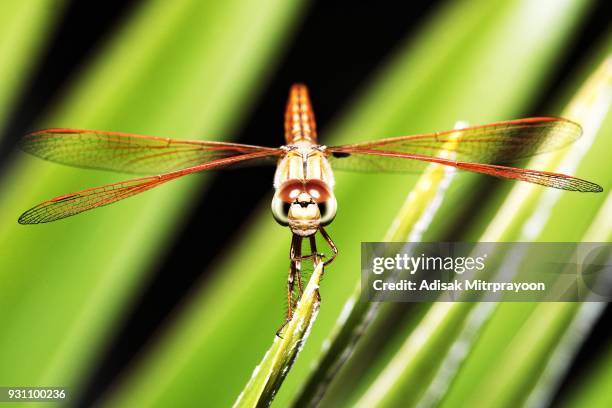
{"points": [[304, 206]]}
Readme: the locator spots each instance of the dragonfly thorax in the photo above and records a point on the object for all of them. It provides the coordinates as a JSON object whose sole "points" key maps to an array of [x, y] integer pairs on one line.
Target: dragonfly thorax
{"points": [[303, 161]]}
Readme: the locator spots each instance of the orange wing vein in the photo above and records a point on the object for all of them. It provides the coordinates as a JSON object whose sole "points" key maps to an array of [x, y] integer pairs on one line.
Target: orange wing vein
{"points": [[479, 149], [496, 143], [129, 153], [75, 203], [548, 179]]}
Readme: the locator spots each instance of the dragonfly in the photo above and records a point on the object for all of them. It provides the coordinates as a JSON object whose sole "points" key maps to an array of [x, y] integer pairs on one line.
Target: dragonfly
{"points": [[303, 200]]}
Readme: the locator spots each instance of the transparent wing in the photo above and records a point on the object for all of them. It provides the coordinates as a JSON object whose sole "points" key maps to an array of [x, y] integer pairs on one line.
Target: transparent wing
{"points": [[496, 143], [555, 180], [75, 203], [129, 153]]}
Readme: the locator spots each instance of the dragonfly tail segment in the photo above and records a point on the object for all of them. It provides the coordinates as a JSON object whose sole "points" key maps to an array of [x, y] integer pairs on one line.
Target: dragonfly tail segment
{"points": [[300, 122]]}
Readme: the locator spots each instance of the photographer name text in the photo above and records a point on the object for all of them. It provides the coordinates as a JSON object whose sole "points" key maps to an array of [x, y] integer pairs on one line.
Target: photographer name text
{"points": [[456, 285]]}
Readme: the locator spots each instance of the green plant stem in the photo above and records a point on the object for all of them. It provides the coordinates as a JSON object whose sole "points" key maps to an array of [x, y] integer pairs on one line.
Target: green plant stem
{"points": [[270, 373]]}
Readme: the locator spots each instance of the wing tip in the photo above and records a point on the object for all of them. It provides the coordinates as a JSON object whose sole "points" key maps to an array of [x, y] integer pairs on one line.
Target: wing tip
{"points": [[28, 142], [39, 215], [30, 217], [594, 188], [582, 186], [26, 219]]}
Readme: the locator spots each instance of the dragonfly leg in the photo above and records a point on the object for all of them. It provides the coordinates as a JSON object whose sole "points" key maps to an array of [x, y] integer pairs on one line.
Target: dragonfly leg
{"points": [[296, 245], [312, 256], [313, 250], [331, 245], [296, 260], [316, 256]]}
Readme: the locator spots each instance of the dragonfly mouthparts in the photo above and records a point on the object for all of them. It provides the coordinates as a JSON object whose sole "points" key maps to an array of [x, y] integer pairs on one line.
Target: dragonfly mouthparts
{"points": [[304, 200]]}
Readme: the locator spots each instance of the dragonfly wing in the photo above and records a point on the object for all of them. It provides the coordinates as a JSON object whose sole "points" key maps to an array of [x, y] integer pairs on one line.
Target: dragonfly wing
{"points": [[75, 203], [496, 143], [129, 153], [548, 179], [556, 180], [374, 161]]}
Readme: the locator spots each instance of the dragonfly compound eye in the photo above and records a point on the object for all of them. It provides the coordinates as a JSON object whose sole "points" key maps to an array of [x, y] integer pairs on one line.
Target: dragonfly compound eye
{"points": [[324, 198], [280, 210], [290, 190], [318, 190], [328, 210]]}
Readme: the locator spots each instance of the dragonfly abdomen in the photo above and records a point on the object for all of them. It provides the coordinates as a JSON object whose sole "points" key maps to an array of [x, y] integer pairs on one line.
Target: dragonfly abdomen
{"points": [[300, 125]]}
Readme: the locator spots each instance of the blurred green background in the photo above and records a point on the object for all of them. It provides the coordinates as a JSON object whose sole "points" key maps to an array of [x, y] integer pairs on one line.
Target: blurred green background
{"points": [[172, 298]]}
